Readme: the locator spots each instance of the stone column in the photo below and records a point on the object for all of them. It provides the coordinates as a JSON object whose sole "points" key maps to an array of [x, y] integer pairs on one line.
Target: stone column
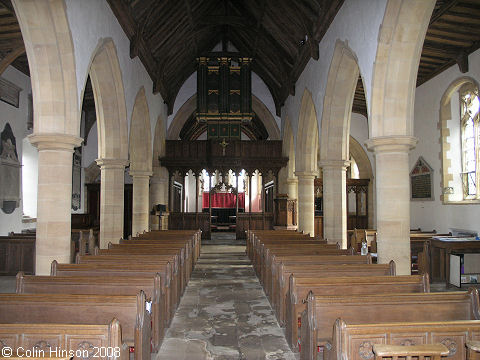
{"points": [[158, 192], [306, 205], [140, 203], [54, 204], [111, 200], [335, 201], [393, 199], [292, 186]]}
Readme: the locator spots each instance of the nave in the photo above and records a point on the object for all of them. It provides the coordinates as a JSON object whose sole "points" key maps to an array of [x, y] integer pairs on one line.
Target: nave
{"points": [[224, 313]]}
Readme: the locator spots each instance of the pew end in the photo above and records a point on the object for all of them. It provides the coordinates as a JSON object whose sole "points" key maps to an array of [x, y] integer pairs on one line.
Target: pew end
{"points": [[432, 351]]}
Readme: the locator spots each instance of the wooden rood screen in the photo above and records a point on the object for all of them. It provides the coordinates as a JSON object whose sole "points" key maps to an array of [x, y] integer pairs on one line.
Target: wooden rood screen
{"points": [[236, 155]]}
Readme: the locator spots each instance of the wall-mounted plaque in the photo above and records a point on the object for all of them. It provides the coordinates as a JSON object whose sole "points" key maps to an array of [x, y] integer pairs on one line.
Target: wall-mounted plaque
{"points": [[9, 92], [421, 181]]}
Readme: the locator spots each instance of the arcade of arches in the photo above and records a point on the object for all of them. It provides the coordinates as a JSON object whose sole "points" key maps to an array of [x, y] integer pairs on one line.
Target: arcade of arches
{"points": [[141, 147]]}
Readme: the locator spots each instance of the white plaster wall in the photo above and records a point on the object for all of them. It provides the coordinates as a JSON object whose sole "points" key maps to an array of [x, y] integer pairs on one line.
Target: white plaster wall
{"points": [[91, 21], [430, 215], [17, 118], [358, 24], [29, 178]]}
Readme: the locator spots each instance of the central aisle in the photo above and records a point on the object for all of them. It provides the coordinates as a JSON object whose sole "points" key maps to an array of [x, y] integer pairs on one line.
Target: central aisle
{"points": [[224, 313]]}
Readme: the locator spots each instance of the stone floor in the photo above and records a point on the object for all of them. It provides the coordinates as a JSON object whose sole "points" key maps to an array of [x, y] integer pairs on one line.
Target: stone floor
{"points": [[224, 313]]}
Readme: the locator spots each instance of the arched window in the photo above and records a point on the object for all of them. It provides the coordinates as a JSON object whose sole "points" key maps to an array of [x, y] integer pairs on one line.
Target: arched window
{"points": [[470, 133]]}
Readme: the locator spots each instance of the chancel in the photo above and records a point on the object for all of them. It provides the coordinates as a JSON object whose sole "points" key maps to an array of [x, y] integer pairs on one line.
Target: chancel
{"points": [[222, 179]]}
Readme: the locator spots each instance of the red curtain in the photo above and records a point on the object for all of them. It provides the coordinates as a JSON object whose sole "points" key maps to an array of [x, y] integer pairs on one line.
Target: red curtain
{"points": [[224, 200]]}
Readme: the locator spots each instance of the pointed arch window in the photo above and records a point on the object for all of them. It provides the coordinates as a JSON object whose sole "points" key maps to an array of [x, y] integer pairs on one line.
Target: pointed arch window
{"points": [[470, 133]]}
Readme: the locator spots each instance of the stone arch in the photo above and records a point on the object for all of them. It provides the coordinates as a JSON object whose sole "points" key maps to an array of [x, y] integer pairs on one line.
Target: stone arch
{"points": [[190, 106], [287, 179], [110, 107], [50, 52], [307, 136], [395, 70], [445, 117], [159, 180], [396, 65], [140, 144], [109, 95], [306, 162], [366, 172], [49, 47], [140, 150], [337, 104], [337, 111], [361, 157]]}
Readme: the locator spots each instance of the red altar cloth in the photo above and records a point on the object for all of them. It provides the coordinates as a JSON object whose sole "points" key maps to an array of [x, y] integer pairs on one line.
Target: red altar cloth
{"points": [[224, 200]]}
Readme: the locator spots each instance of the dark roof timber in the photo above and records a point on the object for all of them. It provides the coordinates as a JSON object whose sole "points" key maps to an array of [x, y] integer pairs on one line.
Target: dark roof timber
{"points": [[280, 35]]}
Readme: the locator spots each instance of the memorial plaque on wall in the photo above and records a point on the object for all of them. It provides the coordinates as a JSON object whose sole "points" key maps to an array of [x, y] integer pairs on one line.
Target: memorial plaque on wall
{"points": [[421, 181]]}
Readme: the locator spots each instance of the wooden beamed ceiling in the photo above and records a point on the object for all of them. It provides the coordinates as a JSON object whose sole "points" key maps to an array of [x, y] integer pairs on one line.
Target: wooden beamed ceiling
{"points": [[281, 36]]}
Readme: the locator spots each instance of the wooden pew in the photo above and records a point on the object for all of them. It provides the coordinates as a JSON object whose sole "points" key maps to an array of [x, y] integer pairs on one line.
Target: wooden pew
{"points": [[266, 266], [282, 267], [178, 277], [356, 341], [83, 309], [125, 270], [321, 312], [106, 285], [346, 285], [84, 341], [421, 352], [152, 249], [195, 236]]}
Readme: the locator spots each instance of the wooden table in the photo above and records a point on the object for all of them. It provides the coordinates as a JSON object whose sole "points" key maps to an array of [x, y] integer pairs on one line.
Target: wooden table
{"points": [[440, 250]]}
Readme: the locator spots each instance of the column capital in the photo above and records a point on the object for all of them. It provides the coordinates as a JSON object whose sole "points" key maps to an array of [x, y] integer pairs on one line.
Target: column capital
{"points": [[305, 174], [55, 141], [292, 181], [334, 164], [389, 144], [107, 163], [140, 173]]}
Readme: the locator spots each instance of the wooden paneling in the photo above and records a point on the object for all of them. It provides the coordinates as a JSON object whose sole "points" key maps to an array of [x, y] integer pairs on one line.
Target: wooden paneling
{"points": [[17, 254], [318, 226], [253, 221], [190, 221]]}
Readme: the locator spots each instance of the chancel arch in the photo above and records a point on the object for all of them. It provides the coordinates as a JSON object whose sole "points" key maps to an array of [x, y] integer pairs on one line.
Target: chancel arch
{"points": [[306, 167], [334, 154], [112, 128], [186, 111], [391, 123], [50, 53], [140, 150]]}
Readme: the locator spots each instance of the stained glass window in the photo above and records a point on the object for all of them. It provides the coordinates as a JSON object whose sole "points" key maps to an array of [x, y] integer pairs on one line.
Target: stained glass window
{"points": [[469, 105]]}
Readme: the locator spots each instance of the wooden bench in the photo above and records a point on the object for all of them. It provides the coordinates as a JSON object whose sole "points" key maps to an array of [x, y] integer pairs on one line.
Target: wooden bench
{"points": [[347, 285], [53, 340], [321, 312], [178, 277], [83, 309], [125, 270], [106, 285], [282, 267], [152, 249], [357, 341], [272, 255]]}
